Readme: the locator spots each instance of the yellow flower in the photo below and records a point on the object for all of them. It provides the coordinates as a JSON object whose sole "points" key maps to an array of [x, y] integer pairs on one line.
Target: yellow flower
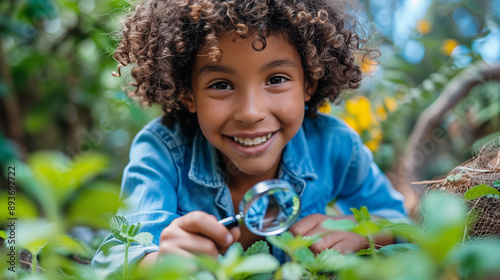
{"points": [[361, 111], [423, 26], [381, 113], [351, 122], [390, 103], [368, 66], [325, 108], [448, 46], [375, 138], [360, 116], [373, 145]]}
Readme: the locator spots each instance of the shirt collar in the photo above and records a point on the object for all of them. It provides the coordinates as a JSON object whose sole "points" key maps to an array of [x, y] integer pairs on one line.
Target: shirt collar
{"points": [[296, 158], [205, 163]]}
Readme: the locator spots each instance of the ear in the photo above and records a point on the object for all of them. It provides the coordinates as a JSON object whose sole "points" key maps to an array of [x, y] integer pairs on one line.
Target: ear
{"points": [[187, 99], [310, 87]]}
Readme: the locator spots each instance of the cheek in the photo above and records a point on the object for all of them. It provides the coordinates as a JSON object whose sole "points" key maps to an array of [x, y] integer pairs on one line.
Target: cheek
{"points": [[290, 109], [211, 115]]}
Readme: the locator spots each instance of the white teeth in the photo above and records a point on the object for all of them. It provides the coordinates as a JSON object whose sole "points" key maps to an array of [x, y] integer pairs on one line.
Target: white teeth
{"points": [[254, 141]]}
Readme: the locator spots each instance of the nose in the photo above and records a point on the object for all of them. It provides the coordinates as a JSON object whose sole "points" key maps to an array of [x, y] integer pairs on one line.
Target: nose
{"points": [[251, 107]]}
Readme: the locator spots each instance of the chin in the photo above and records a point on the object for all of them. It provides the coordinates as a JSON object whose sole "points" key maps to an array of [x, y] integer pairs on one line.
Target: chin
{"points": [[253, 168]]}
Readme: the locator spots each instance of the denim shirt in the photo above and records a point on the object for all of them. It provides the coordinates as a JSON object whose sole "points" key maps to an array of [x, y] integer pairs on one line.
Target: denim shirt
{"points": [[171, 174]]}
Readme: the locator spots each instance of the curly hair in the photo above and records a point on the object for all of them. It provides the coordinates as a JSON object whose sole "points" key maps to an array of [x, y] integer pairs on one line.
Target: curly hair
{"points": [[162, 38]]}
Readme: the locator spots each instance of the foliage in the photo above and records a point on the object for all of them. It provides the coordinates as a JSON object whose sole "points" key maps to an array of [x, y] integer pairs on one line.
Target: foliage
{"points": [[122, 230], [483, 190], [66, 126], [437, 252]]}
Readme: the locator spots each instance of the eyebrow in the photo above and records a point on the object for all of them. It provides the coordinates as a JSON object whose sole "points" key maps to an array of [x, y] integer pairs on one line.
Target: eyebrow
{"points": [[279, 63], [219, 68], [214, 68]]}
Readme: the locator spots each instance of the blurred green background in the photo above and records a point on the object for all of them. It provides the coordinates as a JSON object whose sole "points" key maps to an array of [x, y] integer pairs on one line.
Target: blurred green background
{"points": [[67, 124]]}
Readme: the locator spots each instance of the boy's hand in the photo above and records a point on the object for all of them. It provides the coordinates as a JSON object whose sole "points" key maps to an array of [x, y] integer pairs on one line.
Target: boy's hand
{"points": [[345, 242], [197, 233]]}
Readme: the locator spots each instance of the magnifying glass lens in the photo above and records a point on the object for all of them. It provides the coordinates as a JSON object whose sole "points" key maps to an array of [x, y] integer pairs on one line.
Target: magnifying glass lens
{"points": [[268, 208], [273, 212]]}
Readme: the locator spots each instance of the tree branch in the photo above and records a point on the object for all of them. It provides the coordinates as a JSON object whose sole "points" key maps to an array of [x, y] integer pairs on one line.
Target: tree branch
{"points": [[424, 136], [10, 114]]}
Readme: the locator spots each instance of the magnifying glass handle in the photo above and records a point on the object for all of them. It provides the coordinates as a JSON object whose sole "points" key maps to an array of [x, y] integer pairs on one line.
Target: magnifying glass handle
{"points": [[232, 221], [229, 222]]}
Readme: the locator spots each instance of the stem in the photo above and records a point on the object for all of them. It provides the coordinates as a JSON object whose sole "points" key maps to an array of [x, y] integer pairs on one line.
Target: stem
{"points": [[372, 246], [33, 264], [125, 266]]}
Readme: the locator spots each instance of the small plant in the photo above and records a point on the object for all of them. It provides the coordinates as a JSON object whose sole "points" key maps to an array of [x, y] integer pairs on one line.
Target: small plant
{"points": [[304, 264], [368, 228], [255, 263], [127, 233], [483, 190]]}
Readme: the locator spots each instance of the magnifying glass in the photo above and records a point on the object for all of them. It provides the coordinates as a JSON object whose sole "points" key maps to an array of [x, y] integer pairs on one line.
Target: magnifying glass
{"points": [[268, 208]]}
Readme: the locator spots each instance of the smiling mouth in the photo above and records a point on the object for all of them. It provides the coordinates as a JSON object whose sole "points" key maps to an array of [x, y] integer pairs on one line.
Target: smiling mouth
{"points": [[249, 142]]}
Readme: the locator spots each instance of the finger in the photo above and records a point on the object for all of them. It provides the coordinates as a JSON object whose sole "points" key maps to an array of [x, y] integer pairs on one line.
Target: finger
{"points": [[345, 242], [167, 248], [189, 244], [206, 225], [305, 225], [344, 247], [236, 233], [326, 241]]}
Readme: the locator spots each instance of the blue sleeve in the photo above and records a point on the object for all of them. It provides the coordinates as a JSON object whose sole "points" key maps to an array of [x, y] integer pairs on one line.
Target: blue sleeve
{"points": [[365, 185], [148, 192]]}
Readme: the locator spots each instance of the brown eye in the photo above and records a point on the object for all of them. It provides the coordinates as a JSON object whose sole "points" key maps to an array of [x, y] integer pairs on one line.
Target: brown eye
{"points": [[276, 80], [221, 86]]}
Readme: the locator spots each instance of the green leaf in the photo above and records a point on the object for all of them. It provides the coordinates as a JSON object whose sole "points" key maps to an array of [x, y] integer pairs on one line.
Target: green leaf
{"points": [[290, 243], [116, 225], [169, 267], [255, 264], [401, 248], [104, 198], [361, 215], [405, 230], [479, 191], [342, 225], [143, 238], [442, 211], [131, 230], [292, 271], [329, 260], [476, 259], [364, 252], [304, 256], [207, 262], [3, 234], [68, 245], [202, 275], [87, 166], [259, 247], [25, 207], [232, 256], [34, 235], [496, 184], [367, 228], [62, 175]]}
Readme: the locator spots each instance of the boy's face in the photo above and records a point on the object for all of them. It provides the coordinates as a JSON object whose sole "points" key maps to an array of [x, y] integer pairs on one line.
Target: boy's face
{"points": [[251, 103]]}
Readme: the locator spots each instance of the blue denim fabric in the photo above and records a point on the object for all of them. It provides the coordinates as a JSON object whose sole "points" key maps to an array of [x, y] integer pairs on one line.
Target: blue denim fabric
{"points": [[170, 174]]}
